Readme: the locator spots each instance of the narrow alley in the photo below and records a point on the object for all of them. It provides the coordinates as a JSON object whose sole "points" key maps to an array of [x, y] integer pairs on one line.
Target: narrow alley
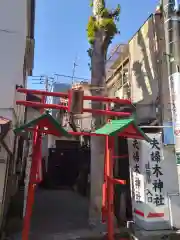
{"points": [[59, 214], [90, 120]]}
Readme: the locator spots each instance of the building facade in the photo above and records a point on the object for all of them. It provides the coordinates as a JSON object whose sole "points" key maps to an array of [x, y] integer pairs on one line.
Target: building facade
{"points": [[16, 64], [58, 114], [139, 72]]}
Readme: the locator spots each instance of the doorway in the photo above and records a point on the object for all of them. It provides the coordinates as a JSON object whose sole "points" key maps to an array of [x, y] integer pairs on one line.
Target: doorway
{"points": [[69, 166], [63, 167], [62, 210]]}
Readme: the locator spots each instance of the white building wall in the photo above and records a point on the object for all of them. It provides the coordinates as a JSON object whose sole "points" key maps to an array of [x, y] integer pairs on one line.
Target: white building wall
{"points": [[143, 70], [32, 114], [13, 32]]}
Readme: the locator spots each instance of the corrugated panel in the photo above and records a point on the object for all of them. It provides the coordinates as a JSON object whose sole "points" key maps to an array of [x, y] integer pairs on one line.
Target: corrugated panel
{"points": [[127, 125]]}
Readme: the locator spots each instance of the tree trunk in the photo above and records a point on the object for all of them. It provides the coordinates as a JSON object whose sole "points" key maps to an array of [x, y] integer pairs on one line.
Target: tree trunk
{"points": [[97, 143], [101, 30]]}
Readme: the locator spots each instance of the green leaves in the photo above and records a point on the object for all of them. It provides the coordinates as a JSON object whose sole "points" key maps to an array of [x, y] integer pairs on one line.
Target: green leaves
{"points": [[91, 29], [106, 20], [91, 3]]}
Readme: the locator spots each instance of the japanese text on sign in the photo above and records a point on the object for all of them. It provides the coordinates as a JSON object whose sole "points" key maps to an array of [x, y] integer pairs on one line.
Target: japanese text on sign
{"points": [[154, 194], [136, 170]]}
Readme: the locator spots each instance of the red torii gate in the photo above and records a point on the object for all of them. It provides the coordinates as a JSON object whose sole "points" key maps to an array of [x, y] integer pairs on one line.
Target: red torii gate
{"points": [[127, 128]]}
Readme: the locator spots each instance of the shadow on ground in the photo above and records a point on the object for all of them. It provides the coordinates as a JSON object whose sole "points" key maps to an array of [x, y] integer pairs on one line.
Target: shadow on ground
{"points": [[59, 211], [58, 214]]}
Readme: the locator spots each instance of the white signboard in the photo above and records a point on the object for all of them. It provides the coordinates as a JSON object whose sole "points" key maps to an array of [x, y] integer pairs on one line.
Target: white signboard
{"points": [[148, 181], [136, 173], [156, 200]]}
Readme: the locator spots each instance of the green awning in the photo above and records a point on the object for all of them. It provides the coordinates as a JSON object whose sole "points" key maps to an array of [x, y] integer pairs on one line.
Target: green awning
{"points": [[123, 127], [46, 123]]}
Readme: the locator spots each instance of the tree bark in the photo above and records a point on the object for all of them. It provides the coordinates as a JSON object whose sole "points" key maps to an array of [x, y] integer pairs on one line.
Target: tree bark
{"points": [[97, 143], [103, 37]]}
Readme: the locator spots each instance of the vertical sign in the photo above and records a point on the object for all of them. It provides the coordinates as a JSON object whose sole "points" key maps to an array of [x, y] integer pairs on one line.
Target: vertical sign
{"points": [[149, 195], [153, 156], [136, 174]]}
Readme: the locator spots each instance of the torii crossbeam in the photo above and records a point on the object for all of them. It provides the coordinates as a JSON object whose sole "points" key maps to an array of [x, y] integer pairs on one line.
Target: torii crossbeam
{"points": [[46, 124]]}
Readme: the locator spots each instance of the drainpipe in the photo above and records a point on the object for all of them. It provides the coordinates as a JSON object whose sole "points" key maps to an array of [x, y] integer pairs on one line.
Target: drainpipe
{"points": [[172, 39]]}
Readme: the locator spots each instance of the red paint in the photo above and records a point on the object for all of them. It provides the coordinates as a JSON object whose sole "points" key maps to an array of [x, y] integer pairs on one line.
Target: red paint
{"points": [[117, 181], [138, 212], [150, 215], [104, 187], [109, 181], [110, 189], [71, 133], [31, 187], [155, 215], [35, 177], [29, 204], [85, 134], [122, 156], [65, 95], [58, 106]]}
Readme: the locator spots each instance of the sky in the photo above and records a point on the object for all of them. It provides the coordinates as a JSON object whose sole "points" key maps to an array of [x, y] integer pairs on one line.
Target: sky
{"points": [[60, 33]]}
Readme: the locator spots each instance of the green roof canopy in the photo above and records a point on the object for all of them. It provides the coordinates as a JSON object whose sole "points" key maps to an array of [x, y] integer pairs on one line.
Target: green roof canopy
{"points": [[123, 127], [46, 122]]}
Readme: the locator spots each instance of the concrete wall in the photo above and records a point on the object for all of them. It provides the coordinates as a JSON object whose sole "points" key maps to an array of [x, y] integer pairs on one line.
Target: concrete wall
{"points": [[14, 24], [32, 114], [7, 183], [150, 91], [13, 31], [112, 86], [144, 72]]}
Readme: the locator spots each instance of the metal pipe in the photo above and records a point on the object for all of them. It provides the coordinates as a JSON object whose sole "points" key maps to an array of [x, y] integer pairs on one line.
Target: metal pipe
{"points": [[85, 134], [120, 157], [70, 132], [57, 106], [155, 126], [65, 95], [117, 181], [172, 40]]}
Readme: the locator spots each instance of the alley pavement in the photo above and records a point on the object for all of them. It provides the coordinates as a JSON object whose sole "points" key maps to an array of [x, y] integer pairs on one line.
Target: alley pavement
{"points": [[60, 215], [63, 215]]}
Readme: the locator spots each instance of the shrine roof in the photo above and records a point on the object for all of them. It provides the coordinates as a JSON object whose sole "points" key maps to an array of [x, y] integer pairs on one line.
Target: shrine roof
{"points": [[46, 123], [123, 127]]}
